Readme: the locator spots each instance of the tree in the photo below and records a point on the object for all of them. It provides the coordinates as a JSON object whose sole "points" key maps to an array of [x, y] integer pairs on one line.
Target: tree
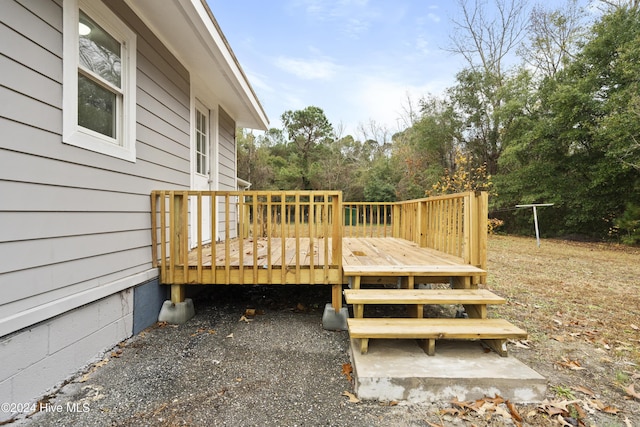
{"points": [[427, 148], [553, 37], [486, 38], [307, 129], [579, 151], [254, 160]]}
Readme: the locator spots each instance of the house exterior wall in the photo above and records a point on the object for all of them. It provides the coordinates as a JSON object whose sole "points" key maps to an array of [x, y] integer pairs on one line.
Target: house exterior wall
{"points": [[227, 145], [227, 170], [75, 237]]}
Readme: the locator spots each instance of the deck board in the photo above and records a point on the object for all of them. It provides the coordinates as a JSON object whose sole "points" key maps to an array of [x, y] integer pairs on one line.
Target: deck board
{"points": [[382, 251]]}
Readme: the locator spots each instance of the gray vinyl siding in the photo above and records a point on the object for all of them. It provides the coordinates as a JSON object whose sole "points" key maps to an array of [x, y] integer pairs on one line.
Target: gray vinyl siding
{"points": [[73, 219], [226, 164], [227, 154]]}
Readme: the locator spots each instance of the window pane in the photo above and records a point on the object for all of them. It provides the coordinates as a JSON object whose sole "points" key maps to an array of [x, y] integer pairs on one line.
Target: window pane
{"points": [[96, 107], [99, 52]]}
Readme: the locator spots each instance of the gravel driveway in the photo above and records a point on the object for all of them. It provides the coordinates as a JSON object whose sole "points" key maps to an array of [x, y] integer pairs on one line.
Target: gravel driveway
{"points": [[277, 368]]}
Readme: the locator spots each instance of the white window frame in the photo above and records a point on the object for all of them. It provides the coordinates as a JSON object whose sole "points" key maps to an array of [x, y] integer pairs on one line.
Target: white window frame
{"points": [[206, 153], [124, 145]]}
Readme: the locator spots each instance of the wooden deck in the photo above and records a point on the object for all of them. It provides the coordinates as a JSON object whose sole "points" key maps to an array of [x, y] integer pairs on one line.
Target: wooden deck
{"points": [[313, 238]]}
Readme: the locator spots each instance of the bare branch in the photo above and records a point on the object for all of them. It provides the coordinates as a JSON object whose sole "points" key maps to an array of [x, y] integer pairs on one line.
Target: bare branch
{"points": [[485, 37]]}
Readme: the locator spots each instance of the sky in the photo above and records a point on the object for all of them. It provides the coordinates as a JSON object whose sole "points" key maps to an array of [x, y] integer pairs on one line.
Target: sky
{"points": [[359, 60]]}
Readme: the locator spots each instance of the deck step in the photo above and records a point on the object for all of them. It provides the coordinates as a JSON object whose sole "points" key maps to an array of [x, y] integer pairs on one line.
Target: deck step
{"points": [[421, 296], [496, 331], [436, 270]]}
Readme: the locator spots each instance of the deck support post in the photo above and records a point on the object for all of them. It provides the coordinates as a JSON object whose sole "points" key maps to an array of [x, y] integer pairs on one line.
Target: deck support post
{"points": [[336, 297], [497, 345], [177, 293]]}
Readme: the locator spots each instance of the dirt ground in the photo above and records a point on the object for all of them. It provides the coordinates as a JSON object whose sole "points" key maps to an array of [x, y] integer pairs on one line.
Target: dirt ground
{"points": [[259, 356], [580, 303]]}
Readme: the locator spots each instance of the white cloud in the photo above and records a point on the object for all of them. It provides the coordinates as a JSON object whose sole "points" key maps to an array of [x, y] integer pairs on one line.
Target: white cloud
{"points": [[258, 82], [384, 100], [433, 17], [422, 45], [308, 69]]}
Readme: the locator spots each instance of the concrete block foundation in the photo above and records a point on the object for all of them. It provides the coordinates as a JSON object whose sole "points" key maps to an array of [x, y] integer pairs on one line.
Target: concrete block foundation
{"points": [[333, 321], [177, 313], [400, 370]]}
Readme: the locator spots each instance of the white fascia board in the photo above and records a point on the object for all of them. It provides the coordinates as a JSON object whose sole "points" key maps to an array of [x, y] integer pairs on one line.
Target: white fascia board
{"points": [[196, 40]]}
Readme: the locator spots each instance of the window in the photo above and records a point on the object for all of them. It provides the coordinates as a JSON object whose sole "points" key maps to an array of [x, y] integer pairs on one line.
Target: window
{"points": [[99, 67], [202, 143]]}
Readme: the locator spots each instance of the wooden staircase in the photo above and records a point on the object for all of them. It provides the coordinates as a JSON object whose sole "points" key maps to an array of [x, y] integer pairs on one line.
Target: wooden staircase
{"points": [[493, 332]]}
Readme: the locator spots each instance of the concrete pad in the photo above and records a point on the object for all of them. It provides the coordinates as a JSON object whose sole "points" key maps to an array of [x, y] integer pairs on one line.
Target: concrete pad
{"points": [[401, 370]]}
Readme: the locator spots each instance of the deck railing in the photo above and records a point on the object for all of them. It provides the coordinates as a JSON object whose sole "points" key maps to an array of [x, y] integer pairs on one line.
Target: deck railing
{"points": [[282, 236], [368, 219], [455, 224]]}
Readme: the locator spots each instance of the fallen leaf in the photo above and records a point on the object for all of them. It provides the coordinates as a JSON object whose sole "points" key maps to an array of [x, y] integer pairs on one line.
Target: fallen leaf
{"points": [[84, 378], [632, 392], [352, 397], [563, 422], [634, 327], [229, 336], [596, 404], [514, 412], [497, 400], [571, 364], [558, 338], [579, 411], [462, 405], [244, 319], [521, 344], [250, 312], [501, 411], [101, 363], [116, 353], [347, 369], [584, 390], [611, 410], [627, 422]]}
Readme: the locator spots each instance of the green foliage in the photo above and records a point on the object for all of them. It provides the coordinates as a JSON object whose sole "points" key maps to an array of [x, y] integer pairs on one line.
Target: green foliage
{"points": [[627, 225], [379, 188], [577, 148], [308, 130], [563, 392]]}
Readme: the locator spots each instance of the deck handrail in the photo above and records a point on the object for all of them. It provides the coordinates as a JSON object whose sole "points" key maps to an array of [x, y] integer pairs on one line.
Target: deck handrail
{"points": [[455, 224]]}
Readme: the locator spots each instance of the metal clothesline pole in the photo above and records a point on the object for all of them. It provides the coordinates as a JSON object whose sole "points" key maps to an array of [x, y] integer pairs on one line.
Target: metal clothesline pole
{"points": [[535, 216]]}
